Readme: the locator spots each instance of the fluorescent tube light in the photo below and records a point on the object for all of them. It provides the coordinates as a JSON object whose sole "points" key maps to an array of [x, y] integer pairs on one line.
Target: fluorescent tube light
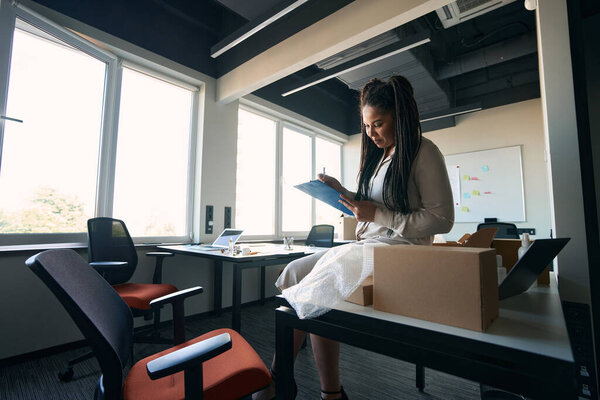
{"points": [[255, 25]]}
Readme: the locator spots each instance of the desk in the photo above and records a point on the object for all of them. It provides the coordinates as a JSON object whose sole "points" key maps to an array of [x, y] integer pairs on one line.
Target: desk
{"points": [[269, 254], [526, 349]]}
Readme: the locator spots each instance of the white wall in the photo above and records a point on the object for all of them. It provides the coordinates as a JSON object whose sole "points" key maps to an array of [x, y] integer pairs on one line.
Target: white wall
{"points": [[514, 124]]}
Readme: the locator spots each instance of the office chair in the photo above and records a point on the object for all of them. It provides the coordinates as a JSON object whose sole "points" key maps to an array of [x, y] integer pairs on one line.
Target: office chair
{"points": [[506, 230], [320, 236], [217, 365], [112, 254]]}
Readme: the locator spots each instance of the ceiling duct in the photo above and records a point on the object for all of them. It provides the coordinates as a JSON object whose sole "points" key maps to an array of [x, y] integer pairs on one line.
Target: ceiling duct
{"points": [[490, 55], [462, 10]]}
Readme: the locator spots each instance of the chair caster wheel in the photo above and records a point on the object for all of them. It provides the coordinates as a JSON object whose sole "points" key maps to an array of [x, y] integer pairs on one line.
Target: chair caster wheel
{"points": [[66, 374]]}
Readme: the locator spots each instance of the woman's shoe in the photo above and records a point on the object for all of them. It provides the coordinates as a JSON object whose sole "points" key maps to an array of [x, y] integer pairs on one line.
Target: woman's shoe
{"points": [[341, 391]]}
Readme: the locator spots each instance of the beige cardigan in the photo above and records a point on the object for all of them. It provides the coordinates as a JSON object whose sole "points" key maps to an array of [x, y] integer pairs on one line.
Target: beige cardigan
{"points": [[429, 197]]}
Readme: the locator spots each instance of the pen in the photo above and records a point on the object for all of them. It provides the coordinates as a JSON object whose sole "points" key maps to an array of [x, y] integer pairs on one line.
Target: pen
{"points": [[323, 170]]}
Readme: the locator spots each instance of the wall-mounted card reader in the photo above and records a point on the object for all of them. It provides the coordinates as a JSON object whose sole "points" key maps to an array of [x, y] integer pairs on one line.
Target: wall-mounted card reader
{"points": [[209, 220], [227, 217]]}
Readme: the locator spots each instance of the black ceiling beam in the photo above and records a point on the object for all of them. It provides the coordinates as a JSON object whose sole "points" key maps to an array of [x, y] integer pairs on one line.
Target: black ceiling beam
{"points": [[282, 8], [405, 44]]}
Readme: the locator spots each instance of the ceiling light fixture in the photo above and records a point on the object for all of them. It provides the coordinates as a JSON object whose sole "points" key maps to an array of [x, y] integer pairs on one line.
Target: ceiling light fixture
{"points": [[252, 27], [369, 58]]}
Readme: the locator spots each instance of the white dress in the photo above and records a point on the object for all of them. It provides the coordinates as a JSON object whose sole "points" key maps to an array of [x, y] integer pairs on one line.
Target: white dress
{"points": [[432, 211]]}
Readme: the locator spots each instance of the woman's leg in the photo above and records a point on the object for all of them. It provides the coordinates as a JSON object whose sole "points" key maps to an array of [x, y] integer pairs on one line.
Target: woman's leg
{"points": [[327, 358]]}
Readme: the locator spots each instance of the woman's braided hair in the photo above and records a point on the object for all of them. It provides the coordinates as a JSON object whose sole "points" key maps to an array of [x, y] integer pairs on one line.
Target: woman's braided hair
{"points": [[395, 96]]}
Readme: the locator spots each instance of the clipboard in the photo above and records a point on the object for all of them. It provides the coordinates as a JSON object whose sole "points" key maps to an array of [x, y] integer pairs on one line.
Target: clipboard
{"points": [[325, 193]]}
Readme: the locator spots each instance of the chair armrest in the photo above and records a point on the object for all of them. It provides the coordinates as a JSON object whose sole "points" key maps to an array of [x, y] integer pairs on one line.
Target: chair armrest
{"points": [[159, 254], [188, 357], [176, 300], [177, 296], [107, 266]]}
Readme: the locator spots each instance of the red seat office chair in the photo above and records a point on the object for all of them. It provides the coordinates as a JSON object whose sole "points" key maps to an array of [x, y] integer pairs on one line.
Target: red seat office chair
{"points": [[112, 253], [217, 365]]}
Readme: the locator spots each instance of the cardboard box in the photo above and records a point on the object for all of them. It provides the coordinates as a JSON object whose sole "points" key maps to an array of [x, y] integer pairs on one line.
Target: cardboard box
{"points": [[364, 294], [347, 228], [449, 285], [508, 249]]}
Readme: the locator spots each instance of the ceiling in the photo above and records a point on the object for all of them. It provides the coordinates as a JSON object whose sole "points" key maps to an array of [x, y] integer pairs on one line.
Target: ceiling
{"points": [[483, 62]]}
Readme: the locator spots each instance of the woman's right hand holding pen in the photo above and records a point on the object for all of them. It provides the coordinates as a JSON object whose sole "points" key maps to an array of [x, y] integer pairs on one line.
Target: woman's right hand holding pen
{"points": [[331, 181]]}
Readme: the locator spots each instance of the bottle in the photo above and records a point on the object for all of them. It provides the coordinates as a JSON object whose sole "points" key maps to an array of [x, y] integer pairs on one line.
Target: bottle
{"points": [[501, 269], [231, 248], [525, 243]]}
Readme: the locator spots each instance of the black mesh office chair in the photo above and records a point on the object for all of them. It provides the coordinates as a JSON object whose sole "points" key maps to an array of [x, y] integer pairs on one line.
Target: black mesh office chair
{"points": [[217, 365], [320, 236], [112, 253], [506, 230]]}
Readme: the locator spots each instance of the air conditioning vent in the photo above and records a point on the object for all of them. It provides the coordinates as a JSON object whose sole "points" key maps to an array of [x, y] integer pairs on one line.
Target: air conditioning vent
{"points": [[461, 10]]}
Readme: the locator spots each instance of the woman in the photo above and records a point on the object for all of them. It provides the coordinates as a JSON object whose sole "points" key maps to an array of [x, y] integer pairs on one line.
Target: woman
{"points": [[404, 196]]}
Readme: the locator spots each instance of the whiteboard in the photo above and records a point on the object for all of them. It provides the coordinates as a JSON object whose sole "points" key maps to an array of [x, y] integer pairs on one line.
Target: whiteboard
{"points": [[487, 184]]}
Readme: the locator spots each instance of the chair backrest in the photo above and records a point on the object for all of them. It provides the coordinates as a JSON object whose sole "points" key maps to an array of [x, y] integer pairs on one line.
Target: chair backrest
{"points": [[483, 238], [506, 230], [98, 311], [109, 240], [320, 236]]}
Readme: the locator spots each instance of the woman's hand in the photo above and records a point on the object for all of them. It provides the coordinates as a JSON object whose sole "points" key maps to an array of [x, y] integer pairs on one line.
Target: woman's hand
{"points": [[363, 210], [331, 181]]}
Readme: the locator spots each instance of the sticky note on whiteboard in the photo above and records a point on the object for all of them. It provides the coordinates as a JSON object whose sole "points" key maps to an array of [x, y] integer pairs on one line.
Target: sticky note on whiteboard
{"points": [[467, 195], [485, 168], [466, 177], [475, 192], [465, 209]]}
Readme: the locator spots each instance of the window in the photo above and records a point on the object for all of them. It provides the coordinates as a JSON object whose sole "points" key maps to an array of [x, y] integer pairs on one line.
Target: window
{"points": [[152, 146], [267, 204], [297, 168], [328, 159], [255, 177], [48, 175], [97, 139]]}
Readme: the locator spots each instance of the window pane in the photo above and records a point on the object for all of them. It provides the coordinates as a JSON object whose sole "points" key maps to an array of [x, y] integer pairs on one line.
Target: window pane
{"points": [[297, 168], [49, 162], [255, 180], [151, 176], [327, 156]]}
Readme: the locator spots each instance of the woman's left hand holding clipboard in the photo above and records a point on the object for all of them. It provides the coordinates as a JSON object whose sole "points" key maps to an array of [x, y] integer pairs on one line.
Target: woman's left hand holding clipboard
{"points": [[363, 210]]}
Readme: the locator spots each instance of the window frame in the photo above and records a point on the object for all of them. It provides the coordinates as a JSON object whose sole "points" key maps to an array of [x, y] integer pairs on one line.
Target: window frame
{"points": [[115, 60], [281, 121]]}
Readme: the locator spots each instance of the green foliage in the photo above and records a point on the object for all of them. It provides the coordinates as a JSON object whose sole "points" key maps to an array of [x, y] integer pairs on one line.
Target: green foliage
{"points": [[50, 212]]}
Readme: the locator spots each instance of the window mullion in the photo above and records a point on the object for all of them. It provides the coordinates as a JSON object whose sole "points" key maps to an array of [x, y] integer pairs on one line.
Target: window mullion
{"points": [[314, 172], [279, 181], [7, 28], [195, 137], [108, 141]]}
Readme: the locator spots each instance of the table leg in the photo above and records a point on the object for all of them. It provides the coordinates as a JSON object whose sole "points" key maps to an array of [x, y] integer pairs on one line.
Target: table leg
{"points": [[420, 379], [236, 323], [218, 287], [284, 348], [262, 285]]}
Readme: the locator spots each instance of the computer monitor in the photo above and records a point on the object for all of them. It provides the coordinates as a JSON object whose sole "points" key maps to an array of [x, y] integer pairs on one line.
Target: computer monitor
{"points": [[529, 267]]}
